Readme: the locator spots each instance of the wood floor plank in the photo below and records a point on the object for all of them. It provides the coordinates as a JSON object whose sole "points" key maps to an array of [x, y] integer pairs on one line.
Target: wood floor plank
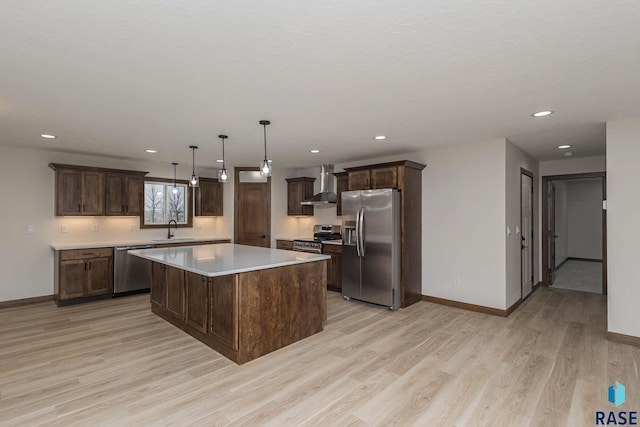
{"points": [[113, 362]]}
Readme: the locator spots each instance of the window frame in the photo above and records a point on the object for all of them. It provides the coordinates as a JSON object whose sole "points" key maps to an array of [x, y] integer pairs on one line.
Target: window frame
{"points": [[188, 202]]}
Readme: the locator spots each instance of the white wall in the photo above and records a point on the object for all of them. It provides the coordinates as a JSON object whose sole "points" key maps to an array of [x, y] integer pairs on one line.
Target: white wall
{"points": [[562, 223], [623, 233], [26, 260], [573, 165], [584, 213], [516, 159]]}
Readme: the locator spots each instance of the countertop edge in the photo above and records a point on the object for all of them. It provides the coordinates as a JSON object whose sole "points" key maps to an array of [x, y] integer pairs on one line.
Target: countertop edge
{"points": [[319, 257], [113, 244]]}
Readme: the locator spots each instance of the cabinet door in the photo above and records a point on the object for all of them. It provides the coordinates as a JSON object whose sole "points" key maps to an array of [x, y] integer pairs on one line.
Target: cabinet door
{"points": [[115, 194], [342, 184], [360, 180], [134, 186], [73, 278], [68, 192], [384, 178], [209, 198], [100, 277], [197, 302], [223, 310], [174, 290], [298, 190], [157, 286], [92, 193], [334, 266]]}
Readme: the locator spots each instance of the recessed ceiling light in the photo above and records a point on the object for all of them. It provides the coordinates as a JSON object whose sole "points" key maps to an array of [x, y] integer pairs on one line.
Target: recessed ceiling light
{"points": [[151, 151], [314, 151], [564, 146], [542, 113], [380, 137], [220, 161], [44, 135]]}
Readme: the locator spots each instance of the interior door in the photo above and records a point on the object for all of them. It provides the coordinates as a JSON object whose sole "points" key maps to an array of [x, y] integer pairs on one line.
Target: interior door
{"points": [[551, 232], [252, 208], [526, 236]]}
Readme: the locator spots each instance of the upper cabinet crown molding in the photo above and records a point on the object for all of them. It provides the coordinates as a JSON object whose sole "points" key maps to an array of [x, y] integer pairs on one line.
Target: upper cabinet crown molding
{"points": [[56, 166]]}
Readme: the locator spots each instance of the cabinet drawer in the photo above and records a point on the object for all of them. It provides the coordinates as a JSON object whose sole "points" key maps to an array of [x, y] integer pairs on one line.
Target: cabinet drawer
{"points": [[332, 249], [86, 253], [284, 244]]}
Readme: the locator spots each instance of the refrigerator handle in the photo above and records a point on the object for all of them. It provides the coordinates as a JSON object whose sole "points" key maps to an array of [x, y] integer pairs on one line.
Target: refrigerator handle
{"points": [[357, 228], [361, 233]]}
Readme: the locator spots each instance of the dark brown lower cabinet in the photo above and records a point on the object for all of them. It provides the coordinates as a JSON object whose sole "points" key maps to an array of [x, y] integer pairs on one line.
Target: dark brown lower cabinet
{"points": [[334, 267], [245, 315], [197, 301], [82, 275], [223, 300]]}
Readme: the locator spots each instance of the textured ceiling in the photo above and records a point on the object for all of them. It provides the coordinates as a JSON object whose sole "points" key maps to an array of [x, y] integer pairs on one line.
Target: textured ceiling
{"points": [[113, 78]]}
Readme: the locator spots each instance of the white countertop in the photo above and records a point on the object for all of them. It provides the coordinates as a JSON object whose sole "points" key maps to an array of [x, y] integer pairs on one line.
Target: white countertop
{"points": [[118, 243], [225, 258]]}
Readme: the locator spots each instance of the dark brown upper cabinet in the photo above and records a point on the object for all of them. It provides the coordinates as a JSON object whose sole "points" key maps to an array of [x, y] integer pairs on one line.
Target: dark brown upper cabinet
{"points": [[79, 192], [124, 194], [209, 197], [342, 184], [91, 191], [298, 190]]}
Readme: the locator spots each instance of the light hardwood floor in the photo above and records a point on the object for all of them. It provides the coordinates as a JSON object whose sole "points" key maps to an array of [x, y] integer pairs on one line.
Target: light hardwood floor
{"points": [[115, 363]]}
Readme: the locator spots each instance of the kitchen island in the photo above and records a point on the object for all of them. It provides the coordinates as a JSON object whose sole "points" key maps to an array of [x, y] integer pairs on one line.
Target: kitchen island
{"points": [[242, 301]]}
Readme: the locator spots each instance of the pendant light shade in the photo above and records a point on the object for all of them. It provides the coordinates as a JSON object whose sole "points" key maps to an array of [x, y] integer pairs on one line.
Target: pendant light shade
{"points": [[175, 183], [194, 181], [223, 175], [265, 166]]}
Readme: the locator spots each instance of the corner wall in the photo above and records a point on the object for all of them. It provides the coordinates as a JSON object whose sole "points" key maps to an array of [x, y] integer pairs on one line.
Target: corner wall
{"points": [[516, 159], [623, 233]]}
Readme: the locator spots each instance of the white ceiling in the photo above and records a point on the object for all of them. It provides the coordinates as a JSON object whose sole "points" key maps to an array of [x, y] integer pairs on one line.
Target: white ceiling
{"points": [[115, 77]]}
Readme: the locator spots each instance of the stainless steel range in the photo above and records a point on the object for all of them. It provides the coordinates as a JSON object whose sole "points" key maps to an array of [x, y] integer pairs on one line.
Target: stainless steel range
{"points": [[320, 233]]}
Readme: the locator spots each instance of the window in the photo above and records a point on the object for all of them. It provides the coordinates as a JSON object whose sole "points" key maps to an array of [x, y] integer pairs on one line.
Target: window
{"points": [[164, 202]]}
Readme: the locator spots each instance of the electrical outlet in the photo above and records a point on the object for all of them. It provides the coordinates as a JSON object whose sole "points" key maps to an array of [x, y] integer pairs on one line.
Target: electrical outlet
{"points": [[30, 229], [94, 227], [133, 227], [64, 228], [457, 281], [199, 225]]}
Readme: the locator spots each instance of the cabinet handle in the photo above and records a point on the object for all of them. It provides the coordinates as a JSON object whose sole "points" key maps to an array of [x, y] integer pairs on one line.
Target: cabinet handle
{"points": [[121, 208], [89, 266], [83, 207], [126, 208], [79, 210], [85, 266]]}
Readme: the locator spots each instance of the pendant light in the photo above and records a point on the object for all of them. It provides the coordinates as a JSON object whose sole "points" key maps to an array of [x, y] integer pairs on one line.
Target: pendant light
{"points": [[194, 181], [175, 181], [265, 167], [223, 175]]}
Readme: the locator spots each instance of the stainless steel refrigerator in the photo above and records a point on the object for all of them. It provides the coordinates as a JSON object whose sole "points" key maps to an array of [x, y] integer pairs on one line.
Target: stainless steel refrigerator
{"points": [[371, 246]]}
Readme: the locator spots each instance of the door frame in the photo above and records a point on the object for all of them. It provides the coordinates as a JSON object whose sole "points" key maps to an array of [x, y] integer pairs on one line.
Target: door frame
{"points": [[524, 171], [545, 221], [236, 187]]}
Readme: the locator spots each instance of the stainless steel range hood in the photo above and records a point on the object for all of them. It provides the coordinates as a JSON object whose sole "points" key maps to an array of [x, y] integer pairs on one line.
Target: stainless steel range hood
{"points": [[326, 194]]}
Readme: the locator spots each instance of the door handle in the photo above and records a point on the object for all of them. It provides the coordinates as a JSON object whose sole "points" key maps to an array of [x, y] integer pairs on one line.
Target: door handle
{"points": [[263, 236]]}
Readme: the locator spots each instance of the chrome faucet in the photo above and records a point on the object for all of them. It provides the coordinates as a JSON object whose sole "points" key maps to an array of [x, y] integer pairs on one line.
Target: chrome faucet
{"points": [[169, 234]]}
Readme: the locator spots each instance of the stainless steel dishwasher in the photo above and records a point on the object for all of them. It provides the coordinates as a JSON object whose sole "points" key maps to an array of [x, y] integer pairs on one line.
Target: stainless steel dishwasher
{"points": [[131, 274]]}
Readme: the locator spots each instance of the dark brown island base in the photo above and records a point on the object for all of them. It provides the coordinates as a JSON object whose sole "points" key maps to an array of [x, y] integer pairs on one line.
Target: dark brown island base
{"points": [[242, 301]]}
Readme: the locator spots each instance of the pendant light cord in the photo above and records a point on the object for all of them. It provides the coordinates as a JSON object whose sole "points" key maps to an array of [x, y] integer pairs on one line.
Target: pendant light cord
{"points": [[193, 161], [223, 167], [265, 142]]}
